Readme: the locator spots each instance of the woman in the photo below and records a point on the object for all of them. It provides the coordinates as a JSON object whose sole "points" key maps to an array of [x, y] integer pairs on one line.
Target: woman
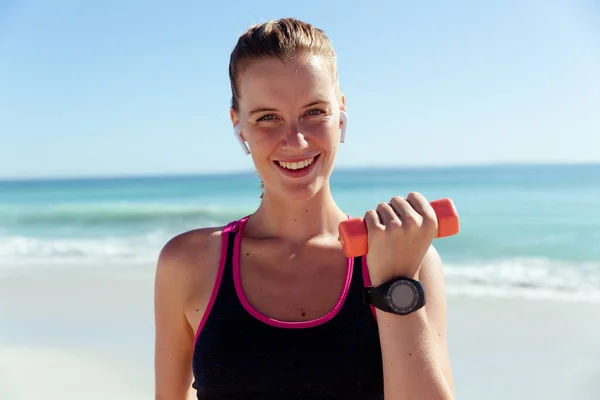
{"points": [[269, 307]]}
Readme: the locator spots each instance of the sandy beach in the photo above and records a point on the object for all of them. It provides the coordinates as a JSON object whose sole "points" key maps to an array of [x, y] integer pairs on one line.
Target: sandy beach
{"points": [[73, 335]]}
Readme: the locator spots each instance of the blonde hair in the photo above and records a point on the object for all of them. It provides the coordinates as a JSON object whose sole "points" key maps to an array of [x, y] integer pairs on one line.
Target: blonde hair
{"points": [[284, 39]]}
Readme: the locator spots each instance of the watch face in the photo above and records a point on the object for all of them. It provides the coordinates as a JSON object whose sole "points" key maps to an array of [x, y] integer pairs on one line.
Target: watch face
{"points": [[402, 296]]}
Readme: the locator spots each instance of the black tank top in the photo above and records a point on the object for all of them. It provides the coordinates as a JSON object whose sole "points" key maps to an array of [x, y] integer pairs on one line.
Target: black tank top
{"points": [[241, 354]]}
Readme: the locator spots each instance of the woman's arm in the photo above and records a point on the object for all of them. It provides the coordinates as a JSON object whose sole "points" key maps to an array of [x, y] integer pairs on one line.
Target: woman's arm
{"points": [[185, 276], [414, 351], [173, 335], [415, 357]]}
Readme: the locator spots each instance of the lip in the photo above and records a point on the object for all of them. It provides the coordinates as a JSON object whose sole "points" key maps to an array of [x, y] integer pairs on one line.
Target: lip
{"points": [[291, 160], [298, 173]]}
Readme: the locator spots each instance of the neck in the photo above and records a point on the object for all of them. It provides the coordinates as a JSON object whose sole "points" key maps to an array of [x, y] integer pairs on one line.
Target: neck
{"points": [[296, 221]]}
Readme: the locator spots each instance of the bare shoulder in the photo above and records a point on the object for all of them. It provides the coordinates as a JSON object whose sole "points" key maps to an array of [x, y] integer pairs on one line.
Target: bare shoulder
{"points": [[187, 268], [190, 251]]}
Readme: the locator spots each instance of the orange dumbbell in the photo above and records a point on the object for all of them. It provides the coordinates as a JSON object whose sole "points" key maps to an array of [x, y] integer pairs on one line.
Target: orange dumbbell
{"points": [[353, 232]]}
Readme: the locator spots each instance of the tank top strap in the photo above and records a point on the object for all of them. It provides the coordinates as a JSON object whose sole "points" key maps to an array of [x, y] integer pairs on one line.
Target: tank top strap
{"points": [[230, 238]]}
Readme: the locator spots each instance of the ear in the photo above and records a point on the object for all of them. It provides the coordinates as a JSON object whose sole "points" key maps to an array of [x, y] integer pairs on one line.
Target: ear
{"points": [[237, 131], [234, 117]]}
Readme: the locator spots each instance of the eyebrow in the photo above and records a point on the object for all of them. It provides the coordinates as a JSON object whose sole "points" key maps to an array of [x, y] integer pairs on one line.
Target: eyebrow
{"points": [[267, 109]]}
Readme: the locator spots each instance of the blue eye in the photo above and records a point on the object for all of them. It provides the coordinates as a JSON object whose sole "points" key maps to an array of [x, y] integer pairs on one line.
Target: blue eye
{"points": [[268, 117], [312, 112], [317, 110]]}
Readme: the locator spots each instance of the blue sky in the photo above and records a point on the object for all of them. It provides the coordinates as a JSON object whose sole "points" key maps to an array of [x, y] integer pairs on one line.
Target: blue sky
{"points": [[141, 87]]}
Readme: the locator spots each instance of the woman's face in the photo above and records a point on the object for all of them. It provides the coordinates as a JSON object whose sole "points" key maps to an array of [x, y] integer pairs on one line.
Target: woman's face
{"points": [[289, 115]]}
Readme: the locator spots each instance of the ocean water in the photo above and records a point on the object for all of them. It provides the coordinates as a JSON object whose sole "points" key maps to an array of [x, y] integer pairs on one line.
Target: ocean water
{"points": [[525, 230]]}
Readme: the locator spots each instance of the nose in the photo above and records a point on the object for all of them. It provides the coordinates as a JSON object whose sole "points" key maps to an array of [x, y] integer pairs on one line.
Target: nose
{"points": [[293, 138]]}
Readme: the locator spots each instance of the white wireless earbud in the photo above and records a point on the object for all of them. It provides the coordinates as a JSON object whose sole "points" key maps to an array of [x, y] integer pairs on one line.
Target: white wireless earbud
{"points": [[344, 121], [238, 134]]}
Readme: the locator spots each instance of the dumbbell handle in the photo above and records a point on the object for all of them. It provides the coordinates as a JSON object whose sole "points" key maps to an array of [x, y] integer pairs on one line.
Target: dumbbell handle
{"points": [[353, 231]]}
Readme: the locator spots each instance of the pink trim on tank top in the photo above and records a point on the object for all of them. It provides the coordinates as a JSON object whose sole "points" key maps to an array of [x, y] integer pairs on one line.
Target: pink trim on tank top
{"points": [[272, 321], [367, 279], [215, 290]]}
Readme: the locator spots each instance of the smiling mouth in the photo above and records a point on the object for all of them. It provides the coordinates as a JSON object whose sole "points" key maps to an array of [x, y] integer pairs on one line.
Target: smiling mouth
{"points": [[297, 166]]}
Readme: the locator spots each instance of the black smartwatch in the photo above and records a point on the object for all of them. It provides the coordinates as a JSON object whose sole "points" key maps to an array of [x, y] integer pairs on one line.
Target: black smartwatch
{"points": [[400, 296]]}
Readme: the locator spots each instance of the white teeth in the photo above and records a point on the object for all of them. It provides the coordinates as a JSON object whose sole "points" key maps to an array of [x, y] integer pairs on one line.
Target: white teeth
{"points": [[296, 165]]}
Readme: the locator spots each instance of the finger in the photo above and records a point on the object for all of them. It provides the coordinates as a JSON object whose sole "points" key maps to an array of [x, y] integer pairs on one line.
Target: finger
{"points": [[403, 209], [386, 213], [420, 204], [372, 221]]}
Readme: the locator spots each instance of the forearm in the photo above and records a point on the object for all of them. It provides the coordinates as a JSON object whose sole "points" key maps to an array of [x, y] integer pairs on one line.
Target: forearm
{"points": [[411, 368]]}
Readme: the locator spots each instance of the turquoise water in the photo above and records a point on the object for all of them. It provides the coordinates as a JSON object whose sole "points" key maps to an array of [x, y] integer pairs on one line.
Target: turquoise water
{"points": [[524, 229]]}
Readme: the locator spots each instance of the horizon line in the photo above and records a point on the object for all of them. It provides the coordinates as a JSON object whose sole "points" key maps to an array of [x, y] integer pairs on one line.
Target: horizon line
{"points": [[242, 172]]}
